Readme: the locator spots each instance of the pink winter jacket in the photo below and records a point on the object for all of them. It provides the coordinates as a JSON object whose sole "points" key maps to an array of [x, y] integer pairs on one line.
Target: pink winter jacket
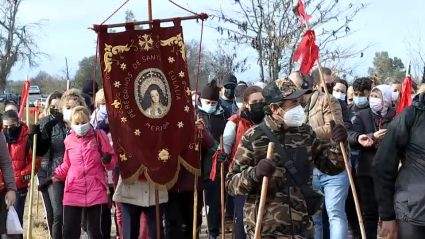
{"points": [[83, 169]]}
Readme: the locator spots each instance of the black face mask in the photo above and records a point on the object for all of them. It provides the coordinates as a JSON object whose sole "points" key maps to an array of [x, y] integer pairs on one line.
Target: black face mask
{"points": [[54, 112], [12, 133], [256, 112], [229, 93], [330, 88]]}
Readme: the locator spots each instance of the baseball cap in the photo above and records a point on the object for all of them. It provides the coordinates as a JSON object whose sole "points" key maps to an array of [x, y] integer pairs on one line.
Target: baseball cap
{"points": [[239, 90], [282, 89], [230, 79]]}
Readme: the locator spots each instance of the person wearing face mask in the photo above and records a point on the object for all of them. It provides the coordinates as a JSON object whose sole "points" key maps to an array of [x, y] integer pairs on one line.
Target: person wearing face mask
{"points": [[329, 79], [361, 90], [238, 103], [369, 127], [49, 112], [81, 164], [229, 84], [250, 113], [100, 113], [19, 146], [214, 117], [319, 115], [291, 200], [51, 133]]}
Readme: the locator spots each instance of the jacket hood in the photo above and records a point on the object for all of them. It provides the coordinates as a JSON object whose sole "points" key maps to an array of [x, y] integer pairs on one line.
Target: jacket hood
{"points": [[386, 96], [419, 102]]}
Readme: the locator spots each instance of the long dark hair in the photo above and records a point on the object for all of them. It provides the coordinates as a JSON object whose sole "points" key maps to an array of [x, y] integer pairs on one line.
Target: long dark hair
{"points": [[147, 100], [344, 82]]}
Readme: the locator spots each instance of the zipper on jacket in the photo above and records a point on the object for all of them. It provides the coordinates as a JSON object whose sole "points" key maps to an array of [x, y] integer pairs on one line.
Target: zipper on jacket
{"points": [[84, 172]]}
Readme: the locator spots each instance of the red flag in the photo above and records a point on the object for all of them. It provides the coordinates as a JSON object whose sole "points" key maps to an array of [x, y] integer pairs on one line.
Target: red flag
{"points": [[24, 97], [406, 95], [301, 11], [308, 51]]}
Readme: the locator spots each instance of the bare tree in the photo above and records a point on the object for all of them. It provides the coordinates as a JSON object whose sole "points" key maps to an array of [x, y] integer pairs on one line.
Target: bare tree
{"points": [[274, 31], [17, 42], [225, 60], [416, 51]]}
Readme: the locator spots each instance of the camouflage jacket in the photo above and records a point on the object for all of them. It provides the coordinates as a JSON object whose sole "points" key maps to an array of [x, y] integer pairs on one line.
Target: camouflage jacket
{"points": [[286, 210]]}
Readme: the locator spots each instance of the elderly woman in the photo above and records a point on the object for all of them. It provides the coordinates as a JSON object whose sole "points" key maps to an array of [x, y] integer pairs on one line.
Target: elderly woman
{"points": [[52, 132]]}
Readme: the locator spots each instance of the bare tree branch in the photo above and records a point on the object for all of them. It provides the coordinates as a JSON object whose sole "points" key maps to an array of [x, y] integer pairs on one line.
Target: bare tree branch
{"points": [[17, 42], [274, 31]]}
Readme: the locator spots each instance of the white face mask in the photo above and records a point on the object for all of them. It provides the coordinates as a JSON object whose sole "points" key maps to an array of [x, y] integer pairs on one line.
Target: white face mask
{"points": [[395, 95], [239, 104], [67, 115], [339, 95], [81, 130], [294, 117], [102, 109]]}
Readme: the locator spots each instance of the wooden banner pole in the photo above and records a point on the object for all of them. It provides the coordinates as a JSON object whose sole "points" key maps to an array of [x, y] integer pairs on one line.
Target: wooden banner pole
{"points": [[32, 183]]}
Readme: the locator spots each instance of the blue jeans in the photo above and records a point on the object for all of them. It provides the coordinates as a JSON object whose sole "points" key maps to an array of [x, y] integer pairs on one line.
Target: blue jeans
{"points": [[335, 189], [21, 196]]}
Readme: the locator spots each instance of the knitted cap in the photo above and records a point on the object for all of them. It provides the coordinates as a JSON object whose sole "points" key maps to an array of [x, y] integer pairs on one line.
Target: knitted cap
{"points": [[88, 87], [211, 91]]}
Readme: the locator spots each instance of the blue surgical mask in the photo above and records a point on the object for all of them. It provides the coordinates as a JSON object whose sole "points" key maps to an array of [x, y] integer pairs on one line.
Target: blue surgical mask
{"points": [[339, 95], [208, 108], [102, 109], [239, 104], [67, 115], [360, 101], [81, 130]]}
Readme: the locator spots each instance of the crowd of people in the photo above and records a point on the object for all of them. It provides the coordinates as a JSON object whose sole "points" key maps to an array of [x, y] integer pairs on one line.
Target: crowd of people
{"points": [[309, 191]]}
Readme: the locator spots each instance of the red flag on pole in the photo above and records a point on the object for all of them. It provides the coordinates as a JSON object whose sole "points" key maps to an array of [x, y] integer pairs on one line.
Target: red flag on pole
{"points": [[301, 12], [308, 51], [406, 95], [24, 96]]}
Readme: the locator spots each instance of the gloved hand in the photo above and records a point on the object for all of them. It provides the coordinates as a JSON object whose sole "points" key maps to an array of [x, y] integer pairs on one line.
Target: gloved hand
{"points": [[26, 177], [265, 168], [339, 133], [221, 157], [34, 129], [106, 158]]}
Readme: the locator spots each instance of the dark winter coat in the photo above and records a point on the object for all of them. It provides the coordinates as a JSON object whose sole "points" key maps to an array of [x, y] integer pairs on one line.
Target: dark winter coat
{"points": [[50, 144], [400, 192]]}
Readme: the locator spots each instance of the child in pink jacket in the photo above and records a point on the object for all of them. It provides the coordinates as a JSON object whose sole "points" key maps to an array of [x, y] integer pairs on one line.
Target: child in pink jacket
{"points": [[86, 157]]}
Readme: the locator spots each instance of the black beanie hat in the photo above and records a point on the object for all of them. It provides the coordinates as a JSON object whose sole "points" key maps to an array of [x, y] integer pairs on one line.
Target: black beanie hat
{"points": [[88, 87], [211, 91]]}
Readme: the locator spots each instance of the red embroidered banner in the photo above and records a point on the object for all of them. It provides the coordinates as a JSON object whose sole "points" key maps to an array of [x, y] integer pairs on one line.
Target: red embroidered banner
{"points": [[149, 102]]}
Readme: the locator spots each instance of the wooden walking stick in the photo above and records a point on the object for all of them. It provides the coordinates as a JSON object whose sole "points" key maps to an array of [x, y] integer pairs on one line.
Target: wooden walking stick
{"points": [[222, 193], [263, 197], [299, 10]]}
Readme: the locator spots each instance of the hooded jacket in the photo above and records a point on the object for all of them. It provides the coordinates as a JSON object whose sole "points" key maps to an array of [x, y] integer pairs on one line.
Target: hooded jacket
{"points": [[21, 156], [83, 169], [368, 122], [400, 191]]}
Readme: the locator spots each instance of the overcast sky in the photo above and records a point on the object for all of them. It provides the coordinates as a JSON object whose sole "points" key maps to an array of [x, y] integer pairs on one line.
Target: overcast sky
{"points": [[388, 23]]}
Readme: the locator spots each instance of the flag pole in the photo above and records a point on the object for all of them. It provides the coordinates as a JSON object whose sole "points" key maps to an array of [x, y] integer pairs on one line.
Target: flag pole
{"points": [[32, 182], [27, 103], [157, 210], [344, 152]]}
